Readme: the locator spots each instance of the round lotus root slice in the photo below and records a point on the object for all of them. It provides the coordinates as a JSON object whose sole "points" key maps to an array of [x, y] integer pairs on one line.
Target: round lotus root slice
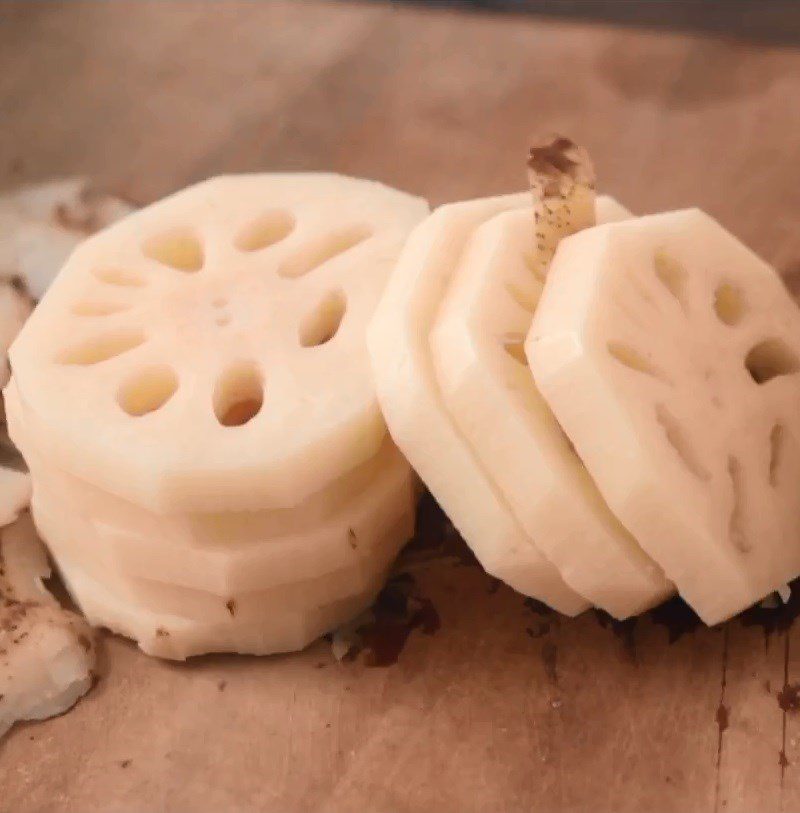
{"points": [[223, 530], [417, 416], [207, 353], [351, 547], [73, 539], [478, 349], [669, 353], [178, 637]]}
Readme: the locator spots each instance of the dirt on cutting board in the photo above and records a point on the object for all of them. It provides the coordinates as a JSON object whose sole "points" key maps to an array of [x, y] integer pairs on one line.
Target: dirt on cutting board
{"points": [[439, 693]]}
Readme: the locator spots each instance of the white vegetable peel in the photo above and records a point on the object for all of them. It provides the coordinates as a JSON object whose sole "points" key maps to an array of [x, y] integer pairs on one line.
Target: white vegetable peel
{"points": [[46, 653]]}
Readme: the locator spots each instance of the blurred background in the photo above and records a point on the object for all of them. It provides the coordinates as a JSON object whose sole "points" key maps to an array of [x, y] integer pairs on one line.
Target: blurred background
{"points": [[681, 102], [776, 20]]}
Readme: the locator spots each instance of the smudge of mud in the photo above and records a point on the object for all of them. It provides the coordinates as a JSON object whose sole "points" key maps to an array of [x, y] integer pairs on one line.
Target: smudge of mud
{"points": [[722, 717], [380, 635], [435, 538], [789, 697], [550, 661], [772, 619], [677, 616], [538, 607], [623, 630], [539, 630]]}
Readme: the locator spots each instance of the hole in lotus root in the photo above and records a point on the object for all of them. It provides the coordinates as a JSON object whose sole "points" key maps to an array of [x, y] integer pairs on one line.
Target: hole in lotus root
{"points": [[324, 249], [676, 437], [102, 347], [270, 228], [323, 322], [729, 304], [147, 390], [179, 249], [239, 394], [90, 307], [736, 525], [630, 357], [777, 441], [672, 275], [770, 359], [123, 277]]}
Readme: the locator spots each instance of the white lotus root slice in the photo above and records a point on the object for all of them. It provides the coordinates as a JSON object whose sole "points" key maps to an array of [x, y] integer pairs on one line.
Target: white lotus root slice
{"points": [[342, 555], [417, 416], [478, 348], [333, 560], [669, 353], [46, 653], [74, 543], [178, 637], [216, 340], [218, 532]]}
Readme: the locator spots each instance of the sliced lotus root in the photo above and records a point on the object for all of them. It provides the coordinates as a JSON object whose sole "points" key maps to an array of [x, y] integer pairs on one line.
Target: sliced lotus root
{"points": [[669, 353], [225, 529], [417, 416], [350, 547], [177, 637], [74, 540], [478, 351], [207, 353]]}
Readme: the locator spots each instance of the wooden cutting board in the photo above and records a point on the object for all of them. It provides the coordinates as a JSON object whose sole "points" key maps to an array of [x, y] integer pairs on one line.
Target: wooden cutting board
{"points": [[485, 703]]}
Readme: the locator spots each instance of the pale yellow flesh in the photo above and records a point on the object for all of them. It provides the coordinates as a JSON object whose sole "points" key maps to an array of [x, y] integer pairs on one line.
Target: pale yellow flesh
{"points": [[165, 329], [417, 416], [649, 346], [178, 637], [477, 345], [204, 530]]}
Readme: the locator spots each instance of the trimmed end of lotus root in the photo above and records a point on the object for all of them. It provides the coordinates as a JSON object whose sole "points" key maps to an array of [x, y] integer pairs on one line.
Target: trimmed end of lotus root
{"points": [[556, 165], [562, 181]]}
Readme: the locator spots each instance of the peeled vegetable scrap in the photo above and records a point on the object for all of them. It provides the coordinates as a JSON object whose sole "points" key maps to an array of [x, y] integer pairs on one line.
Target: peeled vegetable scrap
{"points": [[47, 653]]}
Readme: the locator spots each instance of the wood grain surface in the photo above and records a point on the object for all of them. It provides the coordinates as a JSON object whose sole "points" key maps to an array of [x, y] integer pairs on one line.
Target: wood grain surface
{"points": [[501, 709]]}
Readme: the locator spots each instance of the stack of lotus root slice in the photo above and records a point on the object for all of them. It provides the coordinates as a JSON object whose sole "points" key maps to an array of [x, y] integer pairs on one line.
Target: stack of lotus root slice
{"points": [[605, 405], [211, 470]]}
